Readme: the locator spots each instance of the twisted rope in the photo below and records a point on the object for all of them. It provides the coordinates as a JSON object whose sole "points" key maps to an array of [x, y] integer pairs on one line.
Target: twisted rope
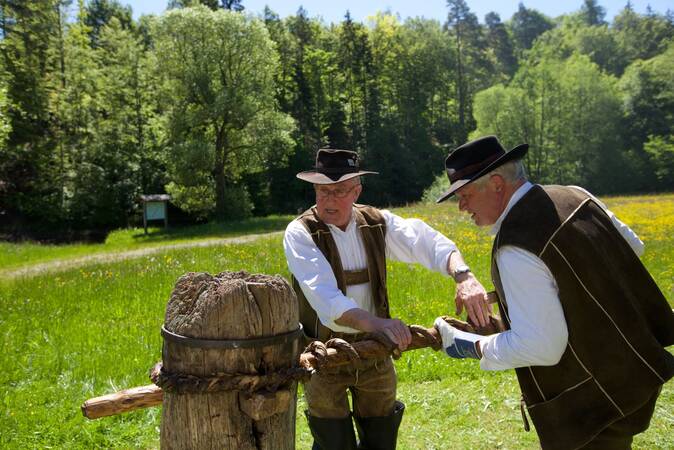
{"points": [[221, 382]]}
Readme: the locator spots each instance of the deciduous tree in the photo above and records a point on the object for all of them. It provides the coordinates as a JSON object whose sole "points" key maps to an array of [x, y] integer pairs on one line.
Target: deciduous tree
{"points": [[568, 111], [221, 112], [642, 36], [647, 89]]}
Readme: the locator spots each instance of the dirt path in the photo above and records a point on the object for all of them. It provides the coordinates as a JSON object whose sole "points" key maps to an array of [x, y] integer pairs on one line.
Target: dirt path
{"points": [[60, 265]]}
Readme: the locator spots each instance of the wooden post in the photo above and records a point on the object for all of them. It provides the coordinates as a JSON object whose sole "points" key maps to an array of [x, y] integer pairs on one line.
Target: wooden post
{"points": [[230, 306]]}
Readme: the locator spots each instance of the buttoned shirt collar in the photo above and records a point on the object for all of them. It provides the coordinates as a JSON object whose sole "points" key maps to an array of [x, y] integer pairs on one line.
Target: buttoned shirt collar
{"points": [[517, 195]]}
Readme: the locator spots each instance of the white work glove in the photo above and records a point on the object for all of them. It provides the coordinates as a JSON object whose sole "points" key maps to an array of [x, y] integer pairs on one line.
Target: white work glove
{"points": [[457, 343]]}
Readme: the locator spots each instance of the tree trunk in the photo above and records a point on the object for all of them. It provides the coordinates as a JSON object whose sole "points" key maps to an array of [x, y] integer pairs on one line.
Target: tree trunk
{"points": [[230, 306], [220, 189], [219, 173]]}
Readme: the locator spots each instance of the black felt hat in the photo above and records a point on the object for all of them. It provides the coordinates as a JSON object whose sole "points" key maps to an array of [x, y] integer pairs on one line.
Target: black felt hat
{"points": [[332, 166], [477, 158]]}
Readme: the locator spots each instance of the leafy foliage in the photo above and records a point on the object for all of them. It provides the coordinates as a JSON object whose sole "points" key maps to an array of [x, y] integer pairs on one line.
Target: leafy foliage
{"points": [[221, 109], [101, 12], [526, 25], [218, 71], [568, 110]]}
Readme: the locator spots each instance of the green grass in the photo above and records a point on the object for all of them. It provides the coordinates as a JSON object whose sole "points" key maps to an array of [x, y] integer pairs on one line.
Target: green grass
{"points": [[86, 332], [14, 256]]}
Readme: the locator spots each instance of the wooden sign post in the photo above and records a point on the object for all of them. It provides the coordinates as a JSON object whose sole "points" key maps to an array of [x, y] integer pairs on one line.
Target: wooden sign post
{"points": [[229, 325], [154, 208]]}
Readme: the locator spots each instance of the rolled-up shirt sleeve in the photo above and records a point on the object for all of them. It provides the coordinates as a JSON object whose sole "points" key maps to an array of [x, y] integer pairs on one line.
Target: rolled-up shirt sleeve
{"points": [[413, 241], [538, 334], [315, 277]]}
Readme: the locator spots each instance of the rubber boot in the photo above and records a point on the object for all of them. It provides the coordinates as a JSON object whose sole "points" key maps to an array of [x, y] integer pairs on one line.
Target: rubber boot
{"points": [[380, 433], [332, 434]]}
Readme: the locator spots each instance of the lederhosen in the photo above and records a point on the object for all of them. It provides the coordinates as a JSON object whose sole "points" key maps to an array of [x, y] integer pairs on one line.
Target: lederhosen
{"points": [[618, 320]]}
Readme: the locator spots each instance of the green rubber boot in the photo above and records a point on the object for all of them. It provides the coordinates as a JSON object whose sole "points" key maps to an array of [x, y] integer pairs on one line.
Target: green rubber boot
{"points": [[380, 433], [332, 434]]}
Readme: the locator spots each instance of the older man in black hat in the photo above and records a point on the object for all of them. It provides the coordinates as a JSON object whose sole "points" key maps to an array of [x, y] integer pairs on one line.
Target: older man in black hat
{"points": [[585, 324], [337, 253]]}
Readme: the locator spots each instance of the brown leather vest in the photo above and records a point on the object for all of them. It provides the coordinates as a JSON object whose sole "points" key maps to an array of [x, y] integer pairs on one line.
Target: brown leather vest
{"points": [[372, 226], [618, 320]]}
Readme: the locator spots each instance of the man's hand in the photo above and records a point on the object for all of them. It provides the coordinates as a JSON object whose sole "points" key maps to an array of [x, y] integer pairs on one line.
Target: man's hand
{"points": [[394, 329], [469, 292], [457, 343], [471, 295]]}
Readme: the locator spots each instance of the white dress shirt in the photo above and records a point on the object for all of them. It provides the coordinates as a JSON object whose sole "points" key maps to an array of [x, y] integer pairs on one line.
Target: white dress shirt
{"points": [[407, 240], [538, 334]]}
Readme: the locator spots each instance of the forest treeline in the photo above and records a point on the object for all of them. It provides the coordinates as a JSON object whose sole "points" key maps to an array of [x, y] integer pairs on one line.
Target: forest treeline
{"points": [[220, 107]]}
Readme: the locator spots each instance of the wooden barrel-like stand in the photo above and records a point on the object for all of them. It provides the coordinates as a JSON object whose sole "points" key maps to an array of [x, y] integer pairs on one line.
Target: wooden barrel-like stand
{"points": [[230, 306]]}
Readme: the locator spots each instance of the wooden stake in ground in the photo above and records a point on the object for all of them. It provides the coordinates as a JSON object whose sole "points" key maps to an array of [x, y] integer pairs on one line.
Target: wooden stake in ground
{"points": [[229, 306]]}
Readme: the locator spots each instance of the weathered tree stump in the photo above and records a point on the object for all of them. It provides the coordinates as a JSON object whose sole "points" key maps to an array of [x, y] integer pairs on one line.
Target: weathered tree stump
{"points": [[230, 306]]}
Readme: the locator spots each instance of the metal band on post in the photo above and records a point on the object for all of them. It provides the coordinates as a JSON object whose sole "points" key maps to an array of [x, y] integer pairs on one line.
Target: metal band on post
{"points": [[247, 382], [263, 341]]}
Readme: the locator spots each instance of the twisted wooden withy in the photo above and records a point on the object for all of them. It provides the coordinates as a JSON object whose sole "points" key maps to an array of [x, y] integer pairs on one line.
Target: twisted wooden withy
{"points": [[376, 346]]}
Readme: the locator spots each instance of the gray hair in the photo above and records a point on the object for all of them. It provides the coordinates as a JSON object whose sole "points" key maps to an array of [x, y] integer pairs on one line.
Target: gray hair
{"points": [[511, 172]]}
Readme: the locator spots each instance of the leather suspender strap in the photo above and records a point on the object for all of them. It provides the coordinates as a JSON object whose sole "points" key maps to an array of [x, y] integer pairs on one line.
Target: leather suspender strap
{"points": [[356, 277]]}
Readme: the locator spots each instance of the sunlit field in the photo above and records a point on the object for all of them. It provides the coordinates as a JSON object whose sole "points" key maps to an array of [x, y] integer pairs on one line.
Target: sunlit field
{"points": [[89, 331], [13, 256]]}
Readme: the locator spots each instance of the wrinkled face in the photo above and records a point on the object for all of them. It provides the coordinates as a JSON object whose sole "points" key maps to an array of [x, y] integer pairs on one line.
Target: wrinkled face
{"points": [[335, 201], [483, 203]]}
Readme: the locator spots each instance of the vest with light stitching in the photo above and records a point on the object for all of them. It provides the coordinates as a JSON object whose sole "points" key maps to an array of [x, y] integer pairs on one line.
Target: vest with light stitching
{"points": [[372, 226], [618, 320]]}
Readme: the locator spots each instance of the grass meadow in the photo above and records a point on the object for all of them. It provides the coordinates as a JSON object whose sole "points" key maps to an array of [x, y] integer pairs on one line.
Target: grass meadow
{"points": [[13, 255], [89, 331]]}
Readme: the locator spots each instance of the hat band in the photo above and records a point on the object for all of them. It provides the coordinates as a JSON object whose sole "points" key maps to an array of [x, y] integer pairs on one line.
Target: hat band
{"points": [[328, 170], [472, 168]]}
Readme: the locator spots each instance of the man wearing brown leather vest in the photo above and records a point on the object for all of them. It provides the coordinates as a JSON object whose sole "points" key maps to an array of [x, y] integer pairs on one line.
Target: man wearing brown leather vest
{"points": [[337, 253], [583, 323]]}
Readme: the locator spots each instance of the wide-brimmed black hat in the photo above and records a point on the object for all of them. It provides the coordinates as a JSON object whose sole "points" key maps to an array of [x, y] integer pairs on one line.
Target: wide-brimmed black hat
{"points": [[332, 166], [477, 158]]}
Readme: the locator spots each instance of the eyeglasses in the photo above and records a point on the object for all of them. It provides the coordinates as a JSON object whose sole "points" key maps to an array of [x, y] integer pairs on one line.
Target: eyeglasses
{"points": [[324, 193]]}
